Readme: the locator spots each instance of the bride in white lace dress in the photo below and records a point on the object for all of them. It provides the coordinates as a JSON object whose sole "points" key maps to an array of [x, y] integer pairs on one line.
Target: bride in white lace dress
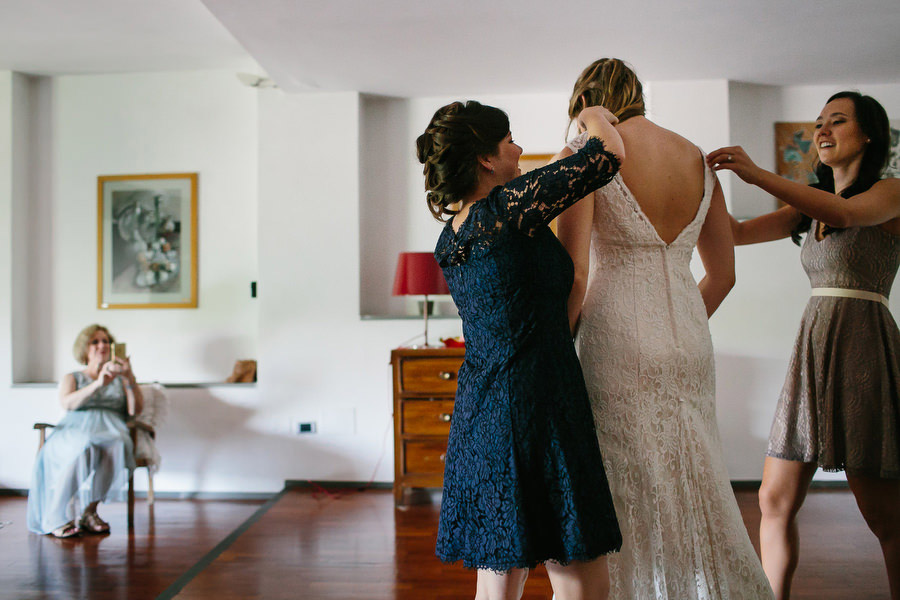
{"points": [[644, 343]]}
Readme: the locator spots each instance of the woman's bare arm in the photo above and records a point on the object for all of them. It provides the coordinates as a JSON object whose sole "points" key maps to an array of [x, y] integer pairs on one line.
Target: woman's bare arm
{"points": [[775, 225], [878, 205], [716, 249]]}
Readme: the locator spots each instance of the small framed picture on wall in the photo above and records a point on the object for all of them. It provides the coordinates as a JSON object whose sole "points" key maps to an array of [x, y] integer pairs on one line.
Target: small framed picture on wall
{"points": [[795, 153], [147, 241]]}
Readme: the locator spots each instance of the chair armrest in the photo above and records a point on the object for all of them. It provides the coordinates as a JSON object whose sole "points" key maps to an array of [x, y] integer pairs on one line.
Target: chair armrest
{"points": [[135, 425], [42, 429]]}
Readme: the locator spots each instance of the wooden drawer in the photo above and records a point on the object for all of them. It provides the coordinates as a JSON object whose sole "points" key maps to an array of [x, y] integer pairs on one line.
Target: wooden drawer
{"points": [[424, 417], [430, 376], [424, 456], [425, 381]]}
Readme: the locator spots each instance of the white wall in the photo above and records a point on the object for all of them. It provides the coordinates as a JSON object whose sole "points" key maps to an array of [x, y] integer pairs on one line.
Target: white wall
{"points": [[33, 230], [159, 123], [6, 223], [318, 360], [384, 147], [752, 110]]}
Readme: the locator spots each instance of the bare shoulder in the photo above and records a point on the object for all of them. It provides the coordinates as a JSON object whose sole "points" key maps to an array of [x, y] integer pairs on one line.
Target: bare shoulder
{"points": [[646, 136]]}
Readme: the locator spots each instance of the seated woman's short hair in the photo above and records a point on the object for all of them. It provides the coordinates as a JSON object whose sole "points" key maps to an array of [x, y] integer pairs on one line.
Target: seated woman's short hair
{"points": [[80, 348]]}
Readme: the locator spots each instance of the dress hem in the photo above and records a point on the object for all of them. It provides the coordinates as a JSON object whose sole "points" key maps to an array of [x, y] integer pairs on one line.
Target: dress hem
{"points": [[450, 559], [838, 468]]}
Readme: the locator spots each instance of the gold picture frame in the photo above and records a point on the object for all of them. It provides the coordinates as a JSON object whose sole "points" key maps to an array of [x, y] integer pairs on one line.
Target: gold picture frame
{"points": [[529, 162], [147, 241]]}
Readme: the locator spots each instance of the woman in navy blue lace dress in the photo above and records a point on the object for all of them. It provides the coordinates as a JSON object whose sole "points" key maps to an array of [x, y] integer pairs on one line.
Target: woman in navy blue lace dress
{"points": [[523, 482]]}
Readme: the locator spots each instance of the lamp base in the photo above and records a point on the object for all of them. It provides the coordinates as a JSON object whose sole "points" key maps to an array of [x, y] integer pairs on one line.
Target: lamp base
{"points": [[426, 306]]}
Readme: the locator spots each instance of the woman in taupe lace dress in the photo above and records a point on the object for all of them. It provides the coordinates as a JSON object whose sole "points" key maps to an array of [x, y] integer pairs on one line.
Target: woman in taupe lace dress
{"points": [[840, 406]]}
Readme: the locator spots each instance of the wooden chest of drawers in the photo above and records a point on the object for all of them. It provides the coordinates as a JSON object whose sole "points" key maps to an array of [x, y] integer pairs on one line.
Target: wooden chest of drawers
{"points": [[424, 389]]}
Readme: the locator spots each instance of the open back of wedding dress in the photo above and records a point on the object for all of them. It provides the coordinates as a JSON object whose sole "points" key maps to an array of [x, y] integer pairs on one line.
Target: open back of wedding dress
{"points": [[648, 363]]}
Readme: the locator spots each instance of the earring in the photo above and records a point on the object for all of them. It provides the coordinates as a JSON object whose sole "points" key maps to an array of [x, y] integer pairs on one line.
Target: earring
{"points": [[492, 170]]}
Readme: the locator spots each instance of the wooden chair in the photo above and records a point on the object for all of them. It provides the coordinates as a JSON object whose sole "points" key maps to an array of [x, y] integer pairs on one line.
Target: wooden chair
{"points": [[133, 427]]}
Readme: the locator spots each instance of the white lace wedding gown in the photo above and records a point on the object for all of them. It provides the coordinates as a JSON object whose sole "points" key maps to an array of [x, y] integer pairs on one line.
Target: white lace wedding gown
{"points": [[648, 362]]}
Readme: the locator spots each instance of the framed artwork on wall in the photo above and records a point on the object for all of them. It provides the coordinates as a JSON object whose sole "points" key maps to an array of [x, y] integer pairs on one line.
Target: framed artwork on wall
{"points": [[147, 241], [795, 152]]}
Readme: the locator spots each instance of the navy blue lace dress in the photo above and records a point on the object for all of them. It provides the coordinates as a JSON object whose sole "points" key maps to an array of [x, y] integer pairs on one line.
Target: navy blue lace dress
{"points": [[524, 480]]}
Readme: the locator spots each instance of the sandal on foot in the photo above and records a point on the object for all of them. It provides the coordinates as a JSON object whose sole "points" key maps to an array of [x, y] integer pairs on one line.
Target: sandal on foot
{"points": [[68, 530], [92, 523]]}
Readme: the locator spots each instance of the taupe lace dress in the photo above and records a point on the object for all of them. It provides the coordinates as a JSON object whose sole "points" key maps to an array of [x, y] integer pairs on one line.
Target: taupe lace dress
{"points": [[840, 405]]}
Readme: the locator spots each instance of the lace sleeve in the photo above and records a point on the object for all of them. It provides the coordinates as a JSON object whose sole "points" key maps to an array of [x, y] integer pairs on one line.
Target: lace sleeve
{"points": [[537, 197]]}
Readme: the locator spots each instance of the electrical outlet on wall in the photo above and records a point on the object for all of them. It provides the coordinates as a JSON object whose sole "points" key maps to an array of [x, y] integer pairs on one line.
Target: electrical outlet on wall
{"points": [[303, 427]]}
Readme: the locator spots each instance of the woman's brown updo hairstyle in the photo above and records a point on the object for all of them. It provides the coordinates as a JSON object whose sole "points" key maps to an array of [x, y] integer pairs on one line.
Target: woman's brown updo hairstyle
{"points": [[456, 136], [610, 83]]}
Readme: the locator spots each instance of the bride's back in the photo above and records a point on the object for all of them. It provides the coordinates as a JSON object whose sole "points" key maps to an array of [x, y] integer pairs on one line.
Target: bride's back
{"points": [[665, 173]]}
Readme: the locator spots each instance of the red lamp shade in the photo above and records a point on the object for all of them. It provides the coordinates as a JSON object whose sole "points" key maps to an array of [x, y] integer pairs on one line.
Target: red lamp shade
{"points": [[418, 274]]}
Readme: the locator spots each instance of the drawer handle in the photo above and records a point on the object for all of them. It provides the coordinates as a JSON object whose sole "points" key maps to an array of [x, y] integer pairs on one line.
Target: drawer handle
{"points": [[445, 375], [443, 456], [445, 417]]}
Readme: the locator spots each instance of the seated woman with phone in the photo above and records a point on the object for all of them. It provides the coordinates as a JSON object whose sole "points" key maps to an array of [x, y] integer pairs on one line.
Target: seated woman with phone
{"points": [[89, 455]]}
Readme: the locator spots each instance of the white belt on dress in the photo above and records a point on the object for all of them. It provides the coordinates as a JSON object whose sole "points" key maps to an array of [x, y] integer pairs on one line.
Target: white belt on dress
{"points": [[847, 293]]}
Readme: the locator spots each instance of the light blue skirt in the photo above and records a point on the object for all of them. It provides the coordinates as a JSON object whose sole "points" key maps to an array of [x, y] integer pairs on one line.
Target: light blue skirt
{"points": [[88, 458]]}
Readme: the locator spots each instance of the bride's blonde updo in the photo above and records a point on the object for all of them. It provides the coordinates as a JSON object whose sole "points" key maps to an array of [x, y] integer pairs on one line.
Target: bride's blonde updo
{"points": [[456, 136], [610, 83]]}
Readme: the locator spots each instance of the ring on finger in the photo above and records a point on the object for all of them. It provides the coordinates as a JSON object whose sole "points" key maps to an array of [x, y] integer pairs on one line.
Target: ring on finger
{"points": [[728, 158]]}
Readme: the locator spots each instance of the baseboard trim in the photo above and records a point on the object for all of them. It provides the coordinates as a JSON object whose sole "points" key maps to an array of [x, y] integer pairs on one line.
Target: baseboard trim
{"points": [[359, 485], [736, 484], [208, 495], [172, 495]]}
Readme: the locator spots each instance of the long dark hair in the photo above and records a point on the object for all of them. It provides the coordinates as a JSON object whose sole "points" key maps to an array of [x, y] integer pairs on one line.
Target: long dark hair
{"points": [[454, 139], [873, 122]]}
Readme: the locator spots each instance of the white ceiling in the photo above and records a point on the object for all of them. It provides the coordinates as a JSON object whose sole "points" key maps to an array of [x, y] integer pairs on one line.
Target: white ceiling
{"points": [[431, 47], [57, 37]]}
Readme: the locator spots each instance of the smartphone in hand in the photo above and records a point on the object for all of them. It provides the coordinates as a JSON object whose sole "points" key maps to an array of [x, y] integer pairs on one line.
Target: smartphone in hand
{"points": [[118, 350]]}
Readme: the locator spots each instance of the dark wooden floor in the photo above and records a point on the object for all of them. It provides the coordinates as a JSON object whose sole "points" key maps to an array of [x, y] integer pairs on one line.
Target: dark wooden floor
{"points": [[348, 546], [117, 566]]}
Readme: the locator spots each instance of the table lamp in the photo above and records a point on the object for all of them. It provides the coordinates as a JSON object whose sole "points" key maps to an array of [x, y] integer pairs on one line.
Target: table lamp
{"points": [[418, 274]]}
